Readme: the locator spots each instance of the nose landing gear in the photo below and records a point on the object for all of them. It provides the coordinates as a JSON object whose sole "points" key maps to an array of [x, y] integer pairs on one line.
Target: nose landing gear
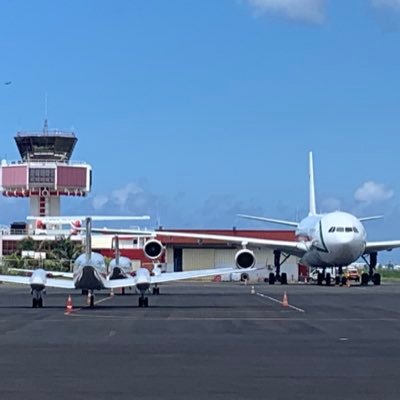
{"points": [[143, 300], [37, 299]]}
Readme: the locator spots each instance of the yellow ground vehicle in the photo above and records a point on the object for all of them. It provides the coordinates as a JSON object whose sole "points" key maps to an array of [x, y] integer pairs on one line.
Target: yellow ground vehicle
{"points": [[352, 274]]}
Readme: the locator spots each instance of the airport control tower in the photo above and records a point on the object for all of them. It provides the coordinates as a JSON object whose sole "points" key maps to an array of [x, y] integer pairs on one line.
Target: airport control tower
{"points": [[45, 172]]}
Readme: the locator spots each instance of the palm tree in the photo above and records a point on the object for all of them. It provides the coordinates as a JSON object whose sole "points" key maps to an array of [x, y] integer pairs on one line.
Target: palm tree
{"points": [[26, 244], [66, 250]]}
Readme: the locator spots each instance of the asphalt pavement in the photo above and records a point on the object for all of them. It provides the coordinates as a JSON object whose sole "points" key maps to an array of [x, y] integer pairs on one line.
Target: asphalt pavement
{"points": [[203, 341]]}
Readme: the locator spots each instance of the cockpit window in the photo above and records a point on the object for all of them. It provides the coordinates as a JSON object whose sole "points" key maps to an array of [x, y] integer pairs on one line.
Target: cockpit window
{"points": [[349, 229], [332, 229], [339, 229], [355, 229]]}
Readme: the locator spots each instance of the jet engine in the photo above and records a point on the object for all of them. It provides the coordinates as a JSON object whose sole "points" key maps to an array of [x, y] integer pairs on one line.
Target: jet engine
{"points": [[245, 259], [153, 249]]}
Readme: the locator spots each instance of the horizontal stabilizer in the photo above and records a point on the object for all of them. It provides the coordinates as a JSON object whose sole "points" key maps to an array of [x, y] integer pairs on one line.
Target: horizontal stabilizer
{"points": [[371, 218], [271, 220]]}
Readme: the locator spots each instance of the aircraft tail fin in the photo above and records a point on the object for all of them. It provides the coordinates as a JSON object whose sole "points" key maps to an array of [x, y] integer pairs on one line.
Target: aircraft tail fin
{"points": [[313, 208], [88, 244]]}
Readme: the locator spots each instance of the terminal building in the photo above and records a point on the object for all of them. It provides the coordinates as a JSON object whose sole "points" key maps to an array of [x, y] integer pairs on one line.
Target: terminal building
{"points": [[45, 173]]}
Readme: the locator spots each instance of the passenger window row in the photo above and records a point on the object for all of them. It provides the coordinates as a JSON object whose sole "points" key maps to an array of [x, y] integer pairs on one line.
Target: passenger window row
{"points": [[343, 229]]}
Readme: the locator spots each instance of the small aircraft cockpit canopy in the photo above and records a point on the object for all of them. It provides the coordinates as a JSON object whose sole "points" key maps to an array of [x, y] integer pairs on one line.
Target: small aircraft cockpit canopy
{"points": [[343, 229]]}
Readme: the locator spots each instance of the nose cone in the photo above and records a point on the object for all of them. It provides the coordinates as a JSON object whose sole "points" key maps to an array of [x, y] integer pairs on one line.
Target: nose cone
{"points": [[345, 248]]}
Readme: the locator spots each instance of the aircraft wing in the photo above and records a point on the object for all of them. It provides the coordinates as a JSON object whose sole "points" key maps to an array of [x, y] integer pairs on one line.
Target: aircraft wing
{"points": [[119, 283], [25, 280], [177, 276], [371, 247], [60, 283], [290, 247], [49, 273], [174, 276]]}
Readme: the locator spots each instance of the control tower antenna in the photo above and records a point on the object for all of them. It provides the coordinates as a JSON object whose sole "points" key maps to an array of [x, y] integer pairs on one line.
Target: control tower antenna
{"points": [[46, 122]]}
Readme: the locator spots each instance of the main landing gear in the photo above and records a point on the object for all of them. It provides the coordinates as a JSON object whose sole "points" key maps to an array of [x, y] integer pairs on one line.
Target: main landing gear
{"points": [[156, 290], [37, 299], [371, 275], [278, 277], [326, 277], [143, 300]]}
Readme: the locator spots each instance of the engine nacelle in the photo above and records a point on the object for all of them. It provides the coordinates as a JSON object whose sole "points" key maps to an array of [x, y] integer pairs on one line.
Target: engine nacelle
{"points": [[245, 259], [153, 249]]}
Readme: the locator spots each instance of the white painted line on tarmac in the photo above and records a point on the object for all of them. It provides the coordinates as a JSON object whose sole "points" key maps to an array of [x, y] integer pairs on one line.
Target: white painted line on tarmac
{"points": [[102, 300], [75, 310], [280, 302]]}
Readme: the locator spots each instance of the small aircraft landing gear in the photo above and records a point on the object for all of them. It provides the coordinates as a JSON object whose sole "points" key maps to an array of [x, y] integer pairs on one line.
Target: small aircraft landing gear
{"points": [[143, 300], [156, 290], [37, 299], [90, 298], [372, 275], [282, 278]]}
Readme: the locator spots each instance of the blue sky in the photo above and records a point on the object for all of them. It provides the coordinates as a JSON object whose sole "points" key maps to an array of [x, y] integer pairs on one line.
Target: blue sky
{"points": [[194, 111]]}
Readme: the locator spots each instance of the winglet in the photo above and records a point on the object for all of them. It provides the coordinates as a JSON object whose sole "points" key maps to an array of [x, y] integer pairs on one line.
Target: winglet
{"points": [[313, 208]]}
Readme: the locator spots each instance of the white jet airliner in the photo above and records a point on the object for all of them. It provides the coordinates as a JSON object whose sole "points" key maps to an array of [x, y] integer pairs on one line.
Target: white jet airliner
{"points": [[90, 274], [334, 239]]}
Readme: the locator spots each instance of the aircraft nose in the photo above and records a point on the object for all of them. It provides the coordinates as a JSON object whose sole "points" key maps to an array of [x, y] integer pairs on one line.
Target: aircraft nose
{"points": [[347, 247]]}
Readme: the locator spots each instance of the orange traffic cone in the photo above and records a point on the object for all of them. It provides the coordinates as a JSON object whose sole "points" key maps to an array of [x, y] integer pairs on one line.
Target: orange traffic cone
{"points": [[69, 307], [285, 302]]}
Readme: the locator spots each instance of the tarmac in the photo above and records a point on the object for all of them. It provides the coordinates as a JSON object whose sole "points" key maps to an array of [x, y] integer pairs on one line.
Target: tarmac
{"points": [[203, 341]]}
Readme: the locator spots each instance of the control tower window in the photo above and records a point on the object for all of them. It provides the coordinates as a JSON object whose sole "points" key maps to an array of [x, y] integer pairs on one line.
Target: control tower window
{"points": [[41, 175]]}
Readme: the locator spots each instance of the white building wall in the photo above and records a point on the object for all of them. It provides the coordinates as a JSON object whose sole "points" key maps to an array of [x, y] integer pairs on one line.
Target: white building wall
{"points": [[53, 206]]}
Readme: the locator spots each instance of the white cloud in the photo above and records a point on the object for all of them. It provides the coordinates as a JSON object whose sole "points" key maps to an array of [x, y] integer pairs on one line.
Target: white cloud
{"points": [[300, 10], [122, 195], [99, 201], [373, 192], [388, 4]]}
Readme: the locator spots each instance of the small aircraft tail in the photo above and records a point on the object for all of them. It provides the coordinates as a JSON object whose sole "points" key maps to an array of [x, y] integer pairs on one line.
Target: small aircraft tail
{"points": [[313, 208], [116, 247], [88, 244]]}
